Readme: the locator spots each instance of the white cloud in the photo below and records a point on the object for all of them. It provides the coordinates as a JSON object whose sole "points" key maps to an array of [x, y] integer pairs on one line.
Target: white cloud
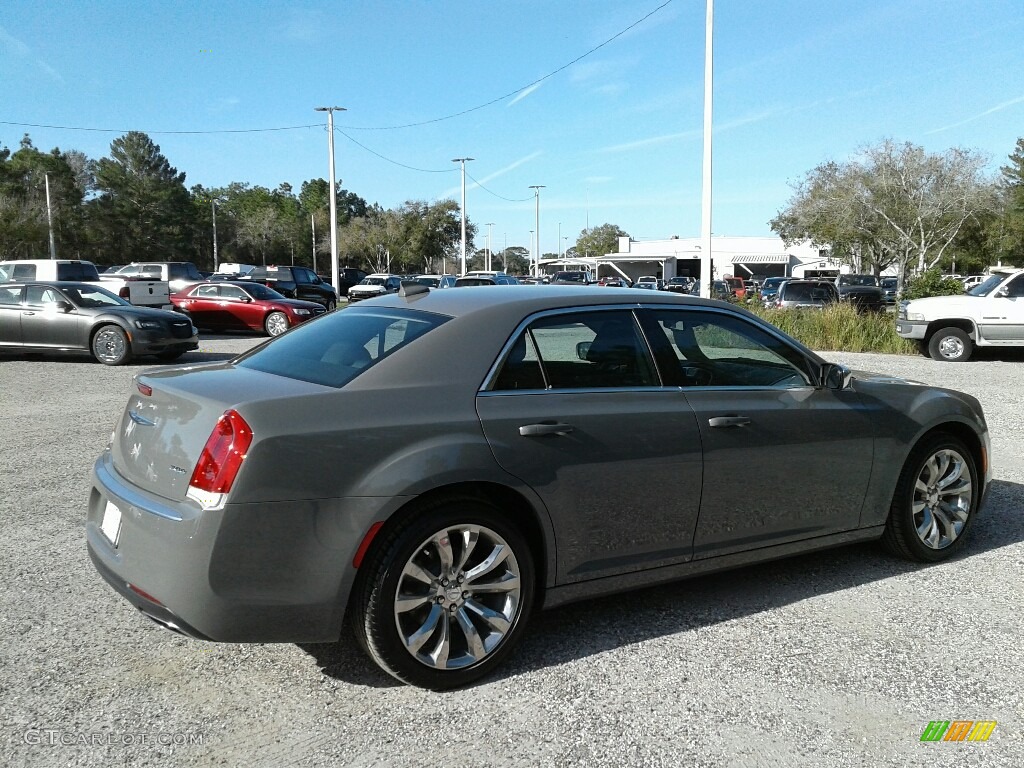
{"points": [[693, 133], [996, 108], [20, 49], [524, 93]]}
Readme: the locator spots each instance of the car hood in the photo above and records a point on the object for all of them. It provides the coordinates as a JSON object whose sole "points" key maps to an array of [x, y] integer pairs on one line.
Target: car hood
{"points": [[136, 313], [941, 303], [299, 304]]}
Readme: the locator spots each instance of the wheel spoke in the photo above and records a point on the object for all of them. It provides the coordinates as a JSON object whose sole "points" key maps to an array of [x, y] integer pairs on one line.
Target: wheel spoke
{"points": [[443, 544], [954, 473], [417, 639], [507, 583], [492, 561], [439, 656], [474, 644], [493, 619], [415, 571], [469, 539], [406, 603], [927, 525]]}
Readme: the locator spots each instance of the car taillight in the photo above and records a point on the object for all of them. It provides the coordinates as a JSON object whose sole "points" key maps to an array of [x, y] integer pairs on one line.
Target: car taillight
{"points": [[220, 460]]}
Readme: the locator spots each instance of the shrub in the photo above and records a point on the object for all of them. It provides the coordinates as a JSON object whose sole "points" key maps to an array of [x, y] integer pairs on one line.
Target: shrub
{"points": [[839, 328], [932, 282]]}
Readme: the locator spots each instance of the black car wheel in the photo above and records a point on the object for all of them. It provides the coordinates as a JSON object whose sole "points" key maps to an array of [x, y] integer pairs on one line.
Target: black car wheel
{"points": [[331, 305], [951, 345], [275, 324], [936, 498], [443, 599], [110, 346]]}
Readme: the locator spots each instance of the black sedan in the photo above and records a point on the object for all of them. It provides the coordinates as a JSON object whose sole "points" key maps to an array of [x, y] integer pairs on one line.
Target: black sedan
{"points": [[82, 317], [268, 498]]}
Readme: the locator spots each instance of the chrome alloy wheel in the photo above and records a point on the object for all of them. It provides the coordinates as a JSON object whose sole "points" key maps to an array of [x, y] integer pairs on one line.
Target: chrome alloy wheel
{"points": [[109, 345], [276, 323], [458, 597], [943, 495]]}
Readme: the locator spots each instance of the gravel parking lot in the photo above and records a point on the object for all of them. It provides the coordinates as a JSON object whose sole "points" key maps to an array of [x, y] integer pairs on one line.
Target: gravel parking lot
{"points": [[837, 659]]}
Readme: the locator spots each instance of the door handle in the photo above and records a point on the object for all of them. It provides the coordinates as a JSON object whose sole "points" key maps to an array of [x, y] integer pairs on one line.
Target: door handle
{"points": [[536, 430], [728, 421]]}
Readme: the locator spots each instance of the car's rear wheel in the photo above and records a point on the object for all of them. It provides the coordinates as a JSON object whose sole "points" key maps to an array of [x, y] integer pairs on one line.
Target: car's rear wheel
{"points": [[275, 324], [331, 305], [110, 346], [951, 345], [445, 596], [936, 498]]}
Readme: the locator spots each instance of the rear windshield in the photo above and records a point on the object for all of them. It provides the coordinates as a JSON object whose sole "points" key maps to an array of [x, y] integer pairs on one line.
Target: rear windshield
{"points": [[78, 271], [337, 347]]}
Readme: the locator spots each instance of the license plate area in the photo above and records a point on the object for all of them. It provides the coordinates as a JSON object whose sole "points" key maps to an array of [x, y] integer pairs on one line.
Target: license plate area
{"points": [[110, 525]]}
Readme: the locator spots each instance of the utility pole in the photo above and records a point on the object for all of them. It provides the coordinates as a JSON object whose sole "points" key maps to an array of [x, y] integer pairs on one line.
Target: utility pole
{"points": [[49, 217], [335, 272], [536, 196], [462, 248]]}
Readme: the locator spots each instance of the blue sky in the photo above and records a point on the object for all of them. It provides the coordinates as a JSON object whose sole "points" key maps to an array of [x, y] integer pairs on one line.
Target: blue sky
{"points": [[616, 137]]}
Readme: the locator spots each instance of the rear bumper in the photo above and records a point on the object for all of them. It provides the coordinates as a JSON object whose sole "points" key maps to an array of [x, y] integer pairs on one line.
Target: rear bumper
{"points": [[274, 572]]}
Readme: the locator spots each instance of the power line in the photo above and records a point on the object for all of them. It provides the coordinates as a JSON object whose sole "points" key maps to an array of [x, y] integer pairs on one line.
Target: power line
{"points": [[393, 162], [517, 90], [509, 199], [130, 130]]}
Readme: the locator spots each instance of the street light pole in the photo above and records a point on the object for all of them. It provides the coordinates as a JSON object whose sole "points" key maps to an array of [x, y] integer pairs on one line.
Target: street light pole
{"points": [[706, 261], [462, 248], [312, 223], [335, 272], [489, 225], [536, 196], [213, 208]]}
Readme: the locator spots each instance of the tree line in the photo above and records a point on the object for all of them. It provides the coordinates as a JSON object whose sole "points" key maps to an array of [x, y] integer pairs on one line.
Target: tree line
{"points": [[134, 206], [896, 205]]}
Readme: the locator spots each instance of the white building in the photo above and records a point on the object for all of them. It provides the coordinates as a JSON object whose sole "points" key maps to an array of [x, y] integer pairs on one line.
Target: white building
{"points": [[744, 257]]}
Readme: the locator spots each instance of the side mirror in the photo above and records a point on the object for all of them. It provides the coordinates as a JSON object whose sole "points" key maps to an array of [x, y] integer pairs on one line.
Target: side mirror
{"points": [[65, 306], [1002, 293], [582, 348], [835, 376]]}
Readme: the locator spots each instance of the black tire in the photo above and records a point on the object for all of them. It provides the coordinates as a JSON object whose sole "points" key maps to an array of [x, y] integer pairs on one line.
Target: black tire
{"points": [[331, 305], [909, 534], [275, 323], [439, 612], [110, 345], [951, 345], [170, 355]]}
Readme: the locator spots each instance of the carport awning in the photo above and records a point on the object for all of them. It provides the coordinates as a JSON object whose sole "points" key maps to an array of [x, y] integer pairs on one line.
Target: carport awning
{"points": [[774, 258]]}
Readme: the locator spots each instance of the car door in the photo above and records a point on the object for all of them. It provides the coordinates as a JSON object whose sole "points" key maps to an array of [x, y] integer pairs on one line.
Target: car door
{"points": [[577, 412], [10, 315], [784, 459], [203, 305], [239, 309], [46, 324], [1003, 316]]}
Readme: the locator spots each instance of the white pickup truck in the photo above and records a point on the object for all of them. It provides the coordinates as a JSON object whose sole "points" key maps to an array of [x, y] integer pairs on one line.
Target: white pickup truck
{"points": [[138, 290], [991, 314]]}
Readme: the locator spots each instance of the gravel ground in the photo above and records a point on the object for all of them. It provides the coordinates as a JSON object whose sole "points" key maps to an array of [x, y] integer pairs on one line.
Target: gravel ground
{"points": [[834, 659]]}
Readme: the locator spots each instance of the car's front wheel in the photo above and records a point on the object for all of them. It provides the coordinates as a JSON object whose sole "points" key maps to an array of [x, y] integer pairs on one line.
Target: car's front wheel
{"points": [[331, 305], [110, 346], [951, 345], [275, 324], [445, 596], [936, 498]]}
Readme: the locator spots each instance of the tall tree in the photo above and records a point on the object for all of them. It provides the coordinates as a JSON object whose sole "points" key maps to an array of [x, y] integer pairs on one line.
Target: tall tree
{"points": [[892, 204], [597, 241], [144, 210]]}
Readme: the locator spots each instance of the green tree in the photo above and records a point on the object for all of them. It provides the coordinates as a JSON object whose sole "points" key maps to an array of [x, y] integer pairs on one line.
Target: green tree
{"points": [[1008, 232], [892, 204], [143, 211], [597, 241]]}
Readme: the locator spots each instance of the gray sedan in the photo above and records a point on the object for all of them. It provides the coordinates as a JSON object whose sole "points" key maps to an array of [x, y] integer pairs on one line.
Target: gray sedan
{"points": [[269, 498], [82, 317]]}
